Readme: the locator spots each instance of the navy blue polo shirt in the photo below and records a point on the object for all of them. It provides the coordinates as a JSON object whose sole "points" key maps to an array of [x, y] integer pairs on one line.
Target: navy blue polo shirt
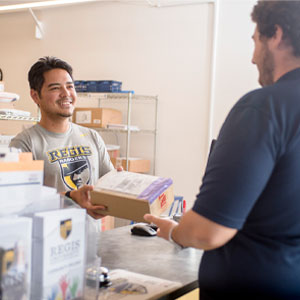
{"points": [[252, 183]]}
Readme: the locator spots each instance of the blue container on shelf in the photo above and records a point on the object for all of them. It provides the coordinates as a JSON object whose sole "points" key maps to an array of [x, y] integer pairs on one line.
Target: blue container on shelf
{"points": [[91, 86], [98, 86], [80, 86]]}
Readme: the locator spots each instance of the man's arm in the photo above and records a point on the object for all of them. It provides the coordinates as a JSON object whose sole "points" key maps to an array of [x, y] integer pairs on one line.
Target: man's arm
{"points": [[193, 230], [20, 144], [83, 198]]}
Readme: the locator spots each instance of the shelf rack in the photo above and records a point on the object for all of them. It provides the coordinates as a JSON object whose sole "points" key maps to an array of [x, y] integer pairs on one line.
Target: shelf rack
{"points": [[19, 118], [130, 98]]}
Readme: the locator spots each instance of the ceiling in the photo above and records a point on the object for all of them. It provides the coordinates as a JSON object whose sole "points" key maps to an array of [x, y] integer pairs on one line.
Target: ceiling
{"points": [[12, 2]]}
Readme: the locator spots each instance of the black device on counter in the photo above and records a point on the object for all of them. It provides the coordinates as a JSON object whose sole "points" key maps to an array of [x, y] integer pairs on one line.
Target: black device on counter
{"points": [[142, 229], [104, 280]]}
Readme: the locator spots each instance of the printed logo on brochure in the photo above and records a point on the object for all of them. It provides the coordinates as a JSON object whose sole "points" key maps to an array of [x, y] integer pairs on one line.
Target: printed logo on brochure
{"points": [[65, 228], [7, 260]]}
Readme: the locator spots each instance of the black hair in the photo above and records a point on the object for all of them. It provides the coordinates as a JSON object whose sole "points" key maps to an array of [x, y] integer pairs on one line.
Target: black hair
{"points": [[284, 13], [36, 73]]}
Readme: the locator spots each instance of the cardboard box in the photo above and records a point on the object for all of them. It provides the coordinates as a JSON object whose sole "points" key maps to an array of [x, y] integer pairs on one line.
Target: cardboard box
{"points": [[135, 164], [113, 150], [96, 117], [130, 195], [9, 105]]}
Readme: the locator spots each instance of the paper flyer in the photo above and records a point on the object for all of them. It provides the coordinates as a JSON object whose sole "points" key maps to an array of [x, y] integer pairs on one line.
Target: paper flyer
{"points": [[134, 286], [58, 254], [15, 258]]}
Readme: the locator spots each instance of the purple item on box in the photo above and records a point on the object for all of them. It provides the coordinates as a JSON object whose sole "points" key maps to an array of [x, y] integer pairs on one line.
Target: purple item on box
{"points": [[155, 189]]}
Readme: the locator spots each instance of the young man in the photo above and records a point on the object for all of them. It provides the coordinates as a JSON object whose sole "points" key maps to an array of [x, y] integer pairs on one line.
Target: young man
{"points": [[246, 216], [75, 156]]}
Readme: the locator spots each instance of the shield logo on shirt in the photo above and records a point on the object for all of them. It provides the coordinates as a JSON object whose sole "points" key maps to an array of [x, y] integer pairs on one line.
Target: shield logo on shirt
{"points": [[76, 173], [65, 228]]}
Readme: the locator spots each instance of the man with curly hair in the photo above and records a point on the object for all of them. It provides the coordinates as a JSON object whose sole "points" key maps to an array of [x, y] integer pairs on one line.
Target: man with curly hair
{"points": [[247, 214]]}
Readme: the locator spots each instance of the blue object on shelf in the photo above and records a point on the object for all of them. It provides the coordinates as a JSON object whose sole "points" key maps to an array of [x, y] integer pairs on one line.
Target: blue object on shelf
{"points": [[179, 207], [80, 86], [127, 92], [98, 86]]}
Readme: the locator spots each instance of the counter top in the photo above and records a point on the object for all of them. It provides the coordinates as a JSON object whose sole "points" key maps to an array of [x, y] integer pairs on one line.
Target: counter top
{"points": [[153, 256]]}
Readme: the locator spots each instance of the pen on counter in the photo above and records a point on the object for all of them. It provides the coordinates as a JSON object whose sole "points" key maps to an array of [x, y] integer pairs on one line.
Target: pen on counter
{"points": [[184, 206]]}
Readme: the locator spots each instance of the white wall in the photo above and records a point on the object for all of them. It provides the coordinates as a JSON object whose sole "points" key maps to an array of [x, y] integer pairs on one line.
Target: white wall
{"points": [[236, 75], [164, 51]]}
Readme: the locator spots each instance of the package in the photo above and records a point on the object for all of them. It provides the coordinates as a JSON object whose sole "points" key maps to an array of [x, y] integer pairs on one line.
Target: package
{"points": [[135, 164], [96, 117], [58, 254], [15, 257], [130, 195]]}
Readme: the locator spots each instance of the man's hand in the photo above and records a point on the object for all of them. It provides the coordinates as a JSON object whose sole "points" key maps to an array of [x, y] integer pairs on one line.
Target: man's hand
{"points": [[164, 225], [82, 197]]}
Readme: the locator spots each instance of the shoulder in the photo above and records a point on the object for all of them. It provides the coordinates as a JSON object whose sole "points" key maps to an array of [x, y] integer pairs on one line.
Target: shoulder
{"points": [[27, 133], [23, 140], [84, 130], [262, 101], [88, 132]]}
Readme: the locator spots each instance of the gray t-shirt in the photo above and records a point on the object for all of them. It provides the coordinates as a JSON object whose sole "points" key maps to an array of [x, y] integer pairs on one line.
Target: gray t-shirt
{"points": [[72, 159]]}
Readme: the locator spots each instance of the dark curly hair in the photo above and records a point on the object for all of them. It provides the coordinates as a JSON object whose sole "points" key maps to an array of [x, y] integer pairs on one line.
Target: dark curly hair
{"points": [[36, 73], [284, 13]]}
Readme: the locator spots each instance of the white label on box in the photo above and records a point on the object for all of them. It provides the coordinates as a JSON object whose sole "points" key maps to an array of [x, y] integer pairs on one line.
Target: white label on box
{"points": [[97, 121], [125, 182], [83, 117]]}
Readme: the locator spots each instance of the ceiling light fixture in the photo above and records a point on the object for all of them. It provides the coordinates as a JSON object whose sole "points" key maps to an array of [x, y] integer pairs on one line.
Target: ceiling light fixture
{"points": [[14, 7]]}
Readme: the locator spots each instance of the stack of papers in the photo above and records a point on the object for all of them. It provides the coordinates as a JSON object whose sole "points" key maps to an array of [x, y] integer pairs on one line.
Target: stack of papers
{"points": [[8, 97], [123, 127], [130, 286], [14, 112]]}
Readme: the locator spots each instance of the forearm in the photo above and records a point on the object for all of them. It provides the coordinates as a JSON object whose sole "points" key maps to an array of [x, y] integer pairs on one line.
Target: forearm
{"points": [[199, 232]]}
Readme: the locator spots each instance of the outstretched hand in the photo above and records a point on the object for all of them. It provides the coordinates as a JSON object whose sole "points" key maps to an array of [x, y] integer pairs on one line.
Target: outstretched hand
{"points": [[82, 197], [164, 225]]}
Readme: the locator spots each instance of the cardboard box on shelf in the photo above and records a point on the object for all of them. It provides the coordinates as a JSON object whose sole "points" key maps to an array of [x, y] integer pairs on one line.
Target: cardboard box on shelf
{"points": [[13, 127], [113, 150], [135, 164], [96, 117], [10, 105], [130, 195]]}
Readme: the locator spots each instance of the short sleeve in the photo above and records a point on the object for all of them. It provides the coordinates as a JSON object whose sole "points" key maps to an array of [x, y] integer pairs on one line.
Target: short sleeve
{"points": [[239, 167]]}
